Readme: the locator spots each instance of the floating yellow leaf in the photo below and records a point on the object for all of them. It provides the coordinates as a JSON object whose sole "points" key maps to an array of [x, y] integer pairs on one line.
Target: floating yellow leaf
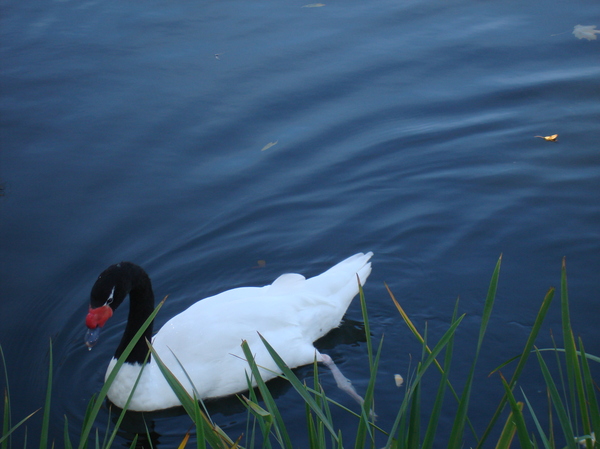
{"points": [[317, 5], [269, 145], [260, 264], [586, 32], [552, 138]]}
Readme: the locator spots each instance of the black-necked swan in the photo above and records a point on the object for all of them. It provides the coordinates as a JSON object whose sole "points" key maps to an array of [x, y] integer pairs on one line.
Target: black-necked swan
{"points": [[290, 314]]}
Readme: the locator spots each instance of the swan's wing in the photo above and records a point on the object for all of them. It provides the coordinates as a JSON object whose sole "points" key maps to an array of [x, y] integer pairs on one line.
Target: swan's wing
{"points": [[291, 314], [208, 345]]}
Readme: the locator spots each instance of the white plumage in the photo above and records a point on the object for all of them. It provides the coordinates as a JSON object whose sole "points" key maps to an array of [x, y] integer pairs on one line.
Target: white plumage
{"points": [[290, 314]]}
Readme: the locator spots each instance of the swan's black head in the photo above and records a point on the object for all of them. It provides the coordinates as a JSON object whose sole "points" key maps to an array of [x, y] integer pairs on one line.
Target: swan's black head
{"points": [[110, 289], [113, 285]]}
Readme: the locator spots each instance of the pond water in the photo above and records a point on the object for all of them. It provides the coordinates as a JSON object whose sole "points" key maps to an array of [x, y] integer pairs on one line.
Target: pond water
{"points": [[198, 138]]}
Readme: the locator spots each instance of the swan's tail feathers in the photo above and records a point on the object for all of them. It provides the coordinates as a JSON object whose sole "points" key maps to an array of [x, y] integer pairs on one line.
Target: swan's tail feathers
{"points": [[342, 277]]}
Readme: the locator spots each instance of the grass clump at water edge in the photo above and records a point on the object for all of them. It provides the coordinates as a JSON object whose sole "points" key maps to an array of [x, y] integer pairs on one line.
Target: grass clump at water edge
{"points": [[573, 415]]}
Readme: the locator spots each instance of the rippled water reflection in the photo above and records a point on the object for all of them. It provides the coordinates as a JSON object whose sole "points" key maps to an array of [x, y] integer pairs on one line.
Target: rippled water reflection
{"points": [[403, 128]]}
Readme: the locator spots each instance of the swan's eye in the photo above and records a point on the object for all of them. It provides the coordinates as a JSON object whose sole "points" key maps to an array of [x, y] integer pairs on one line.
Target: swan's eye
{"points": [[111, 297]]}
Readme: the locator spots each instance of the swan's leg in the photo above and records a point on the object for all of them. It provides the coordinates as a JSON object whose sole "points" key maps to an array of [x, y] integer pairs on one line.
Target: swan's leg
{"points": [[342, 381]]}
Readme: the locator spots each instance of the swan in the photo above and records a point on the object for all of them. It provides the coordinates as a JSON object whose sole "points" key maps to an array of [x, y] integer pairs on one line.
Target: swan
{"points": [[205, 339]]}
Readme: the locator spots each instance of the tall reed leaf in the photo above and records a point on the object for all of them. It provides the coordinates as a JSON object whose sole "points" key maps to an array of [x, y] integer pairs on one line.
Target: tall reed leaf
{"points": [[561, 410], [535, 330], [298, 386], [456, 434], [6, 421], [448, 335], [279, 427], [510, 428], [517, 414], [46, 416], [416, 333], [366, 422], [541, 432], [94, 408], [439, 398], [215, 436], [6, 435], [591, 392], [574, 376]]}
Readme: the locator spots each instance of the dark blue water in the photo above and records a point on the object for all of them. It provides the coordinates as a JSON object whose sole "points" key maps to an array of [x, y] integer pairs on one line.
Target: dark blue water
{"points": [[135, 131]]}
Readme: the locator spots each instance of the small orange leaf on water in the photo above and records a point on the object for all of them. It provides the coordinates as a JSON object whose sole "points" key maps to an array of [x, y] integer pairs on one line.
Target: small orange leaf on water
{"points": [[552, 138], [260, 264]]}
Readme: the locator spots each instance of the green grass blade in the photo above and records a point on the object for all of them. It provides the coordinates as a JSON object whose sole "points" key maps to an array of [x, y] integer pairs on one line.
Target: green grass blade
{"points": [[323, 402], [133, 444], [214, 435], [109, 440], [6, 420], [92, 411], [6, 435], [279, 427], [200, 433], [262, 423], [592, 401], [183, 396], [67, 439], [425, 366], [517, 417], [313, 439], [589, 357], [410, 325], [509, 430], [456, 433], [265, 418], [367, 407], [414, 421], [573, 367], [541, 432], [365, 315], [561, 411], [527, 350], [489, 304], [106, 431], [195, 400], [365, 424], [439, 398], [47, 403], [568, 339], [298, 386], [416, 333]]}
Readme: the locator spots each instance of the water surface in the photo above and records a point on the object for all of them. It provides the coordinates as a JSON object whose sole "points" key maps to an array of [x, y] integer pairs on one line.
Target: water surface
{"points": [[136, 132]]}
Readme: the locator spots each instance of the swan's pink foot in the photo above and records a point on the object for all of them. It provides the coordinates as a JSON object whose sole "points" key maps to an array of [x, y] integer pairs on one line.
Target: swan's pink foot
{"points": [[343, 382]]}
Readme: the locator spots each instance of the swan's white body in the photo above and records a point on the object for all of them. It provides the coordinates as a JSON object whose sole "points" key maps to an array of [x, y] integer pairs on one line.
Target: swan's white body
{"points": [[206, 338]]}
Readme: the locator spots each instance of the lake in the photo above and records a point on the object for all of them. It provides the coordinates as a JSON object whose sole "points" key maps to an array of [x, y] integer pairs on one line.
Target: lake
{"points": [[221, 144]]}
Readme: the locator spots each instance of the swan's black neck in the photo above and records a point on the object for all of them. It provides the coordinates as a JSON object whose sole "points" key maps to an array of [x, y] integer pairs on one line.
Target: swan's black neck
{"points": [[141, 306], [122, 279]]}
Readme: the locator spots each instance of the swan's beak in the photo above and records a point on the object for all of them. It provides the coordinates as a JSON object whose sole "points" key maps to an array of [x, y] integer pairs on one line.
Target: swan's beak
{"points": [[91, 337], [94, 320]]}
